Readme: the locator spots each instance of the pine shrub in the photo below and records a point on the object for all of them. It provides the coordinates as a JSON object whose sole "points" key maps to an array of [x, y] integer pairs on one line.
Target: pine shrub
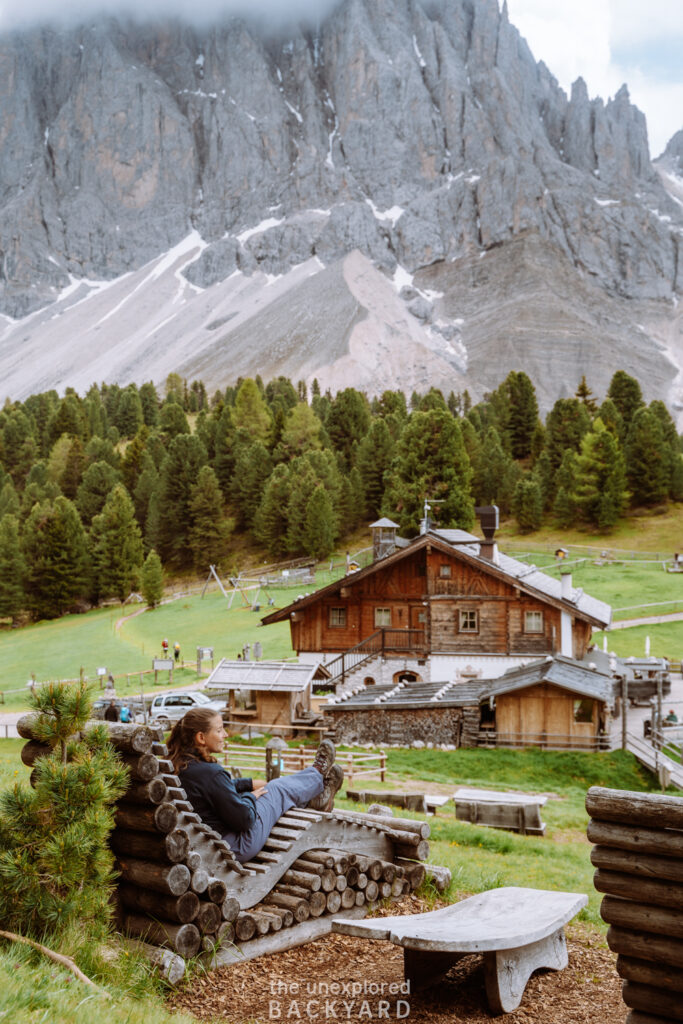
{"points": [[56, 870]]}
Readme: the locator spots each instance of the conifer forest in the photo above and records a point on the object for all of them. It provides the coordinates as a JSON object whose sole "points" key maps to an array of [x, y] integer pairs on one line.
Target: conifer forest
{"points": [[102, 493]]}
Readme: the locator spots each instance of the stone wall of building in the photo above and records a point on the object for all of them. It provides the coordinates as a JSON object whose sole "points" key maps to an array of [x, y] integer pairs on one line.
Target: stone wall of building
{"points": [[390, 726]]}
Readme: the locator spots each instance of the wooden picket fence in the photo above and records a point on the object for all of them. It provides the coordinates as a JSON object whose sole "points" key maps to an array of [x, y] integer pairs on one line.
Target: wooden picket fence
{"points": [[252, 760]]}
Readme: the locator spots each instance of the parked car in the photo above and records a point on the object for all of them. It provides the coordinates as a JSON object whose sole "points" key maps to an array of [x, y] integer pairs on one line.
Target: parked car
{"points": [[167, 708]]}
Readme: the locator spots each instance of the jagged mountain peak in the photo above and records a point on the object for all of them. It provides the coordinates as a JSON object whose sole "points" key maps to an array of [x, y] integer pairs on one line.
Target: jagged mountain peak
{"points": [[420, 133]]}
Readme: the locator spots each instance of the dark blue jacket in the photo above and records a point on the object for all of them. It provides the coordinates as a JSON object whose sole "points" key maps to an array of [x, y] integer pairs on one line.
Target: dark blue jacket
{"points": [[224, 803]]}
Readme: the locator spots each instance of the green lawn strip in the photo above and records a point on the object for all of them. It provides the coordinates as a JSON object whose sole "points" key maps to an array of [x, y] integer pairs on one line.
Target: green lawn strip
{"points": [[656, 530], [666, 640], [60, 648]]}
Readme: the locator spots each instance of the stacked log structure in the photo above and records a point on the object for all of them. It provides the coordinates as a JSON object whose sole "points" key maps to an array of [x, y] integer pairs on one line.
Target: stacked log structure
{"points": [[638, 856], [181, 889]]}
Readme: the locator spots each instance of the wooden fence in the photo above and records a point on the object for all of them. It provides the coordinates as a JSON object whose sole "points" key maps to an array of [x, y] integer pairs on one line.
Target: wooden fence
{"points": [[544, 740], [252, 760]]}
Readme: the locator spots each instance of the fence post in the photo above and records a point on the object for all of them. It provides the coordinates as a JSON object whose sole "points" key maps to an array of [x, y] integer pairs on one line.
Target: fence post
{"points": [[624, 710], [349, 766], [383, 765], [302, 755]]}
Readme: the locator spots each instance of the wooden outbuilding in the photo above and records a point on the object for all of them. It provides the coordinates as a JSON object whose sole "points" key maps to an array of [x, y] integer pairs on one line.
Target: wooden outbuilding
{"points": [[445, 605], [267, 693], [556, 703]]}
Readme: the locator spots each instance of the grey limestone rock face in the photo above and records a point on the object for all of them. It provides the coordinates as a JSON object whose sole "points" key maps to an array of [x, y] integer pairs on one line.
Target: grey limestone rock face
{"points": [[415, 131]]}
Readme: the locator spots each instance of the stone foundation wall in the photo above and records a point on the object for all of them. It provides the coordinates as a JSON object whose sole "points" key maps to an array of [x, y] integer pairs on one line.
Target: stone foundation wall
{"points": [[452, 727]]}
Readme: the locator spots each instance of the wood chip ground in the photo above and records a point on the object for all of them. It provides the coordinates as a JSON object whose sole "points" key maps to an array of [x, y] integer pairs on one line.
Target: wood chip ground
{"points": [[282, 986]]}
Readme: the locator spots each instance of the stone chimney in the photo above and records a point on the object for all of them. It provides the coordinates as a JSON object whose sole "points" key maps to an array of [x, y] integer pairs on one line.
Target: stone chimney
{"points": [[488, 517]]}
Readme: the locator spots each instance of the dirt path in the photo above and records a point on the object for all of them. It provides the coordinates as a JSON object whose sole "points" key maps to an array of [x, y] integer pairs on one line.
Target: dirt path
{"points": [[278, 987]]}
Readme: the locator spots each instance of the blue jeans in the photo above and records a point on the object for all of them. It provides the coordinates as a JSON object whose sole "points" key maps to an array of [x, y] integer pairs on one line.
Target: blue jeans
{"points": [[281, 795]]}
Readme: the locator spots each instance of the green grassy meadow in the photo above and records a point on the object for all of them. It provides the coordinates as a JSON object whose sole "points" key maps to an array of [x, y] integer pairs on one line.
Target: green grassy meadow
{"points": [[61, 648]]}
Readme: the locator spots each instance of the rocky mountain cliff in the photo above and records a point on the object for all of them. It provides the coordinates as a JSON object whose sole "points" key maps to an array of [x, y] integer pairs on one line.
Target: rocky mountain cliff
{"points": [[359, 201]]}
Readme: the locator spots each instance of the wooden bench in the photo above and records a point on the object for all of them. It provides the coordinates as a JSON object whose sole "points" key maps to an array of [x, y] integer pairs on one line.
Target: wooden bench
{"points": [[517, 930], [516, 812]]}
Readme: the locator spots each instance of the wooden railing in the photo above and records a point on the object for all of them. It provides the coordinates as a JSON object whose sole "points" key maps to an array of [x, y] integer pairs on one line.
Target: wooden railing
{"points": [[543, 740], [356, 764], [382, 641]]}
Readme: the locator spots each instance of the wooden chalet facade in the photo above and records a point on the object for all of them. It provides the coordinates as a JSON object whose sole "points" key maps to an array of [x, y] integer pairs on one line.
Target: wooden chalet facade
{"points": [[443, 605]]}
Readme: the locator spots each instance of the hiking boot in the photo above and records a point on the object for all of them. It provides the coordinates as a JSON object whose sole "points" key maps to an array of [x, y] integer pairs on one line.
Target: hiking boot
{"points": [[332, 784], [324, 757]]}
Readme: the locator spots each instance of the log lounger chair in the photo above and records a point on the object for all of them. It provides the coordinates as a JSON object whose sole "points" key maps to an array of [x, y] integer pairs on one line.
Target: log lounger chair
{"points": [[173, 867], [517, 930]]}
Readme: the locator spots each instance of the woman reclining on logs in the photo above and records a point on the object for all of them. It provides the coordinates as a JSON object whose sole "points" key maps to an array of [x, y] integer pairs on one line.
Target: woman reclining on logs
{"points": [[242, 812]]}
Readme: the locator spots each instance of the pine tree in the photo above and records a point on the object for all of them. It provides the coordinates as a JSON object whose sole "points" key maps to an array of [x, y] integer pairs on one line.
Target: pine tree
{"points": [[527, 505], [224, 453], [348, 422], [301, 432], [318, 528], [210, 529], [74, 467], [251, 411], [9, 500], [626, 394], [150, 404], [375, 454], [253, 466], [55, 864], [645, 453], [601, 493], [430, 463], [172, 420], [97, 484], [672, 457], [567, 422], [152, 579], [129, 415], [179, 474], [566, 506], [12, 569], [117, 546], [270, 521], [522, 412], [495, 474], [585, 395], [54, 546]]}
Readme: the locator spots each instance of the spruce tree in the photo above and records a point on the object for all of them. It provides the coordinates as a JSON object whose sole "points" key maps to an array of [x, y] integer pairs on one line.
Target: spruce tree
{"points": [[565, 506], [627, 396], [375, 454], [522, 412], [117, 546], [152, 579], [270, 521], [585, 395], [318, 533], [12, 569], [646, 462], [54, 546], [348, 422], [253, 466], [251, 411], [179, 474], [601, 493], [210, 528], [527, 505], [55, 864], [172, 420], [97, 484], [566, 423], [430, 463], [9, 500]]}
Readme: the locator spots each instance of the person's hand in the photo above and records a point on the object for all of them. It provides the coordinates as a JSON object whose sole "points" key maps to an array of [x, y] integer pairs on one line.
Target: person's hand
{"points": [[258, 791]]}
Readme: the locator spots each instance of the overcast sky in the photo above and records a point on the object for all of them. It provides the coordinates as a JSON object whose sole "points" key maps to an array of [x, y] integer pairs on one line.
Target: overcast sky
{"points": [[608, 42]]}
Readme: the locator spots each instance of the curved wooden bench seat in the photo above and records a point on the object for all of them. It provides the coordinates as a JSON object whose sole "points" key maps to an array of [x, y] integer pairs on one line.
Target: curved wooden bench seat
{"points": [[181, 887], [518, 931]]}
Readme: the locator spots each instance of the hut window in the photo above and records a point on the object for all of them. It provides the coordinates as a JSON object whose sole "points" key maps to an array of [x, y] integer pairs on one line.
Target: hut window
{"points": [[583, 710], [533, 622], [469, 621], [245, 700], [445, 572], [337, 617], [382, 617]]}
